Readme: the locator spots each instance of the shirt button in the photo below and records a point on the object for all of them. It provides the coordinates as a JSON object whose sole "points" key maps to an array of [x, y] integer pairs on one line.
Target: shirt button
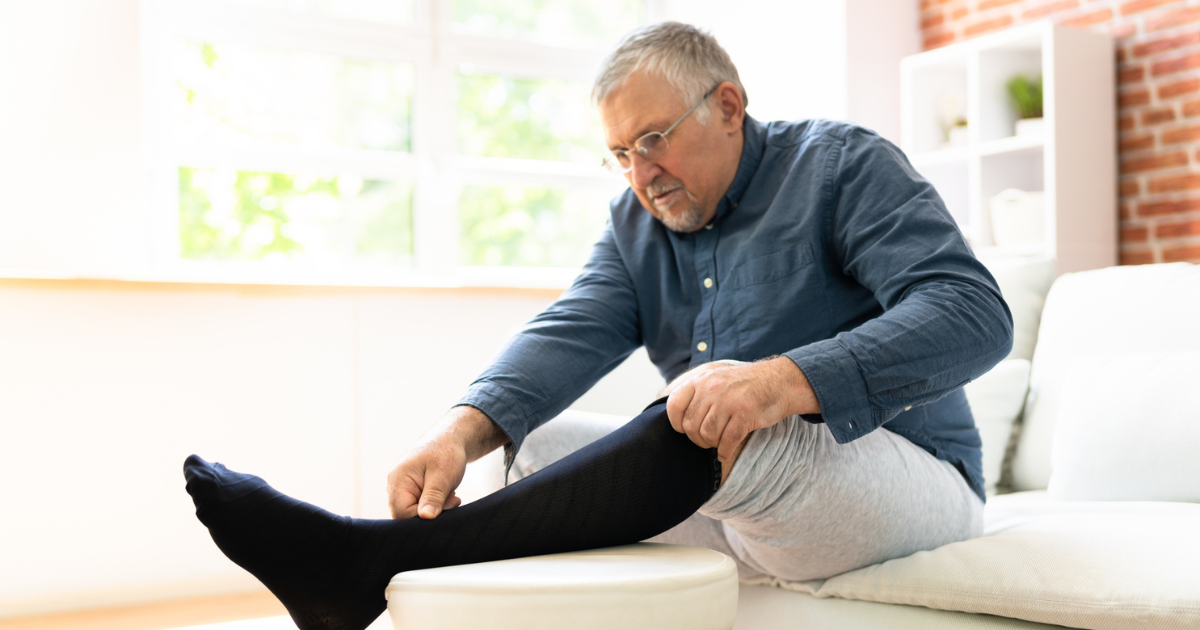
{"points": [[708, 227], [908, 407], [702, 346], [708, 283]]}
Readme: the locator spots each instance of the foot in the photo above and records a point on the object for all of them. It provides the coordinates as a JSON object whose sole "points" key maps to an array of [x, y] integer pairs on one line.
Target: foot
{"points": [[312, 560]]}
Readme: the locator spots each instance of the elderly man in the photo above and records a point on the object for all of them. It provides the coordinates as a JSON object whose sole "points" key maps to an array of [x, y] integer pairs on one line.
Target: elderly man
{"points": [[814, 308]]}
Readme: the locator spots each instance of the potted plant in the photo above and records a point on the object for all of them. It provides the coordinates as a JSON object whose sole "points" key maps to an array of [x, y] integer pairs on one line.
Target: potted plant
{"points": [[951, 119], [1026, 94]]}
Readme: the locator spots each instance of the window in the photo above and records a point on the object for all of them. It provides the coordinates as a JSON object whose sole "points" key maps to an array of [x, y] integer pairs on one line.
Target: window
{"points": [[379, 138]]}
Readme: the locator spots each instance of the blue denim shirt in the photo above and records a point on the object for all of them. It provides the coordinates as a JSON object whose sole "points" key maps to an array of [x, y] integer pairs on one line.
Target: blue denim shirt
{"points": [[827, 248]]}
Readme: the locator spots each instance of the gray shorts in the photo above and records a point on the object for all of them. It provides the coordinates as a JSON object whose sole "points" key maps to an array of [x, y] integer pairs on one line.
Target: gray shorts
{"points": [[798, 505]]}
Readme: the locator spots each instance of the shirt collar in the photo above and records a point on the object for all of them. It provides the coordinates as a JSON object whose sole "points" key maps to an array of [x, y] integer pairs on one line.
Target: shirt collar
{"points": [[753, 140]]}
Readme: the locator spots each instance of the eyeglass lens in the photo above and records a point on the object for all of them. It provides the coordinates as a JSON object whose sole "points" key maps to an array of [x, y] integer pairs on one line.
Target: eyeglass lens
{"points": [[649, 146]]}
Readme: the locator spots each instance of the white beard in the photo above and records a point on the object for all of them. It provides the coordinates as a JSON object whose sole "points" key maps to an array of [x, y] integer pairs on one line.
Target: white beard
{"points": [[689, 219]]}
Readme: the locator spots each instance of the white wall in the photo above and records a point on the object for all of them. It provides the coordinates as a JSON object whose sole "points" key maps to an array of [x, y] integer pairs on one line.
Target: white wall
{"points": [[880, 33], [71, 167], [836, 59], [105, 388], [790, 55]]}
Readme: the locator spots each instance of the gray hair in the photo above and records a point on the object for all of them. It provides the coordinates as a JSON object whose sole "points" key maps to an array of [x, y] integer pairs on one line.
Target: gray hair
{"points": [[689, 60]]}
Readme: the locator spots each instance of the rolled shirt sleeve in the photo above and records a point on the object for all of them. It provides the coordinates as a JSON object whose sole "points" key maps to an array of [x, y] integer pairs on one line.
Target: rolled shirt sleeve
{"points": [[564, 351], [944, 322]]}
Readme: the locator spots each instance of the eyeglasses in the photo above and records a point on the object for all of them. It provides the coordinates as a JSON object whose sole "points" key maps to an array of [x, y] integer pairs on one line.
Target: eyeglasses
{"points": [[650, 146]]}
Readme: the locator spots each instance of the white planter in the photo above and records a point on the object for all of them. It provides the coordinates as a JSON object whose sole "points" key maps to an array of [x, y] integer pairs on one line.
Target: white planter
{"points": [[1018, 217], [1030, 126], [958, 136]]}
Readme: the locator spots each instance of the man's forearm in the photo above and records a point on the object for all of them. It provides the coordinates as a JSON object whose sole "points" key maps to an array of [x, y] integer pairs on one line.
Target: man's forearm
{"points": [[473, 429], [801, 399]]}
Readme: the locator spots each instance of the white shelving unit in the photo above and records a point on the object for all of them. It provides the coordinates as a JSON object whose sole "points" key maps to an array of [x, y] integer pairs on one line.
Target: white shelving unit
{"points": [[1073, 161]]}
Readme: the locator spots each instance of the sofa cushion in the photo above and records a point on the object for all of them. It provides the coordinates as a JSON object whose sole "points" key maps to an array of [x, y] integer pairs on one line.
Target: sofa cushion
{"points": [[996, 400], [645, 585], [1128, 430], [765, 607], [1092, 315], [1098, 564]]}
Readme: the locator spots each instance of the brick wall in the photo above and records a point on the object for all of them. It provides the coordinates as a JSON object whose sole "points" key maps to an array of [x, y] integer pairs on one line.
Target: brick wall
{"points": [[1157, 48]]}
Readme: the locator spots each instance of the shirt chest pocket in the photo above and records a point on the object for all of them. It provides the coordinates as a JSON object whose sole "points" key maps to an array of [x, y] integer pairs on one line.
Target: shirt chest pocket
{"points": [[777, 301], [771, 267]]}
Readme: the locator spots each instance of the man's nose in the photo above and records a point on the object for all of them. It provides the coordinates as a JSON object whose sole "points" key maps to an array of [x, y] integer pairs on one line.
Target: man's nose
{"points": [[644, 171]]}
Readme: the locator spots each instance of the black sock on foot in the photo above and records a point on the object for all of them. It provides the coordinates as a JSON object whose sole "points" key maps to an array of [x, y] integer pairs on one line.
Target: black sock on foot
{"points": [[331, 571]]}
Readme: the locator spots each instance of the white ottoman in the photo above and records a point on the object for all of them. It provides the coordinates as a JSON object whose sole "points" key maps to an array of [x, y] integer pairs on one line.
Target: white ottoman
{"points": [[646, 585]]}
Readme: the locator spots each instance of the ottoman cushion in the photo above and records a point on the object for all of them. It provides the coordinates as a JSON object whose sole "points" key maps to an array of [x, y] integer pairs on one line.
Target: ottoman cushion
{"points": [[646, 585]]}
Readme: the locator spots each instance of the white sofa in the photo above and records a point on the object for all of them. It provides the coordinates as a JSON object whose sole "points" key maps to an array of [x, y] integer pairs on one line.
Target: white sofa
{"points": [[1092, 423], [1103, 530]]}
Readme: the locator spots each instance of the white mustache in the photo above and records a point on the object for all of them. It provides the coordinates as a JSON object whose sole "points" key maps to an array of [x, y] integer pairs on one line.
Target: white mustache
{"points": [[655, 190]]}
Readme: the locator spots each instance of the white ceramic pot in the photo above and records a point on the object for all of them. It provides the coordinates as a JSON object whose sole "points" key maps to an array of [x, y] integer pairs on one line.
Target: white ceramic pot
{"points": [[957, 136], [1018, 217], [1030, 127]]}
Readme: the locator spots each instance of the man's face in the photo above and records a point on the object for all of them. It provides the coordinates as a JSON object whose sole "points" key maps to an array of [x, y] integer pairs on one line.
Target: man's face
{"points": [[682, 187]]}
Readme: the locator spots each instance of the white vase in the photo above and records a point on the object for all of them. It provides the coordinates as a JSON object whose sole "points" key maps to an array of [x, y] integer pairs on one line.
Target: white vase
{"points": [[1018, 217], [1030, 127], [957, 136]]}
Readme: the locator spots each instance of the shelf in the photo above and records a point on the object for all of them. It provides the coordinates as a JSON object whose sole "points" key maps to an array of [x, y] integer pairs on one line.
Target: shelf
{"points": [[1011, 144], [1073, 160], [1012, 251], [940, 157]]}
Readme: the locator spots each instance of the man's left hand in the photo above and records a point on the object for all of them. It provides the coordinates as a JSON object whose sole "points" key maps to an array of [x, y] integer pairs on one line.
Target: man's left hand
{"points": [[718, 404]]}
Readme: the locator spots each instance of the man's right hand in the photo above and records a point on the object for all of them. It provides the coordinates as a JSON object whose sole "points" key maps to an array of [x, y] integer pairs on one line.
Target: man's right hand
{"points": [[423, 483]]}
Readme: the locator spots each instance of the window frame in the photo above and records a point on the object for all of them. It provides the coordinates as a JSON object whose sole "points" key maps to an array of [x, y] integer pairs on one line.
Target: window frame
{"points": [[437, 171]]}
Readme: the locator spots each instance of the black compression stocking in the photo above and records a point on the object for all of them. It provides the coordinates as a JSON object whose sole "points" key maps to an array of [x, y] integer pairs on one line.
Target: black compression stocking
{"points": [[331, 571]]}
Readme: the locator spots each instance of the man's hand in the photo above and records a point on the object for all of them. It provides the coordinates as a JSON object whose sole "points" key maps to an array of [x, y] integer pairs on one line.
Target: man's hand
{"points": [[718, 404], [423, 483]]}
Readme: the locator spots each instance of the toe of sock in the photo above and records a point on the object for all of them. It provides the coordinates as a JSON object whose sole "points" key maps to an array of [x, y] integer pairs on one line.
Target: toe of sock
{"points": [[201, 479]]}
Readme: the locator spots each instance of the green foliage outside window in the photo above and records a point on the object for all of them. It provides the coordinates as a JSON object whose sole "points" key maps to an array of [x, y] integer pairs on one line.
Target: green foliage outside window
{"points": [[236, 94], [529, 226], [239, 215], [536, 119], [249, 97]]}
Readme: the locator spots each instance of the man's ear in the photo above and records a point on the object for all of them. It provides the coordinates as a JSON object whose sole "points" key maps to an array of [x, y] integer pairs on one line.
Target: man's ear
{"points": [[733, 109]]}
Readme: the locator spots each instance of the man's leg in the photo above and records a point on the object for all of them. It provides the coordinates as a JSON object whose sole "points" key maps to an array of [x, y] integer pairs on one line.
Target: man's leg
{"points": [[799, 506], [561, 436], [331, 571], [572, 431]]}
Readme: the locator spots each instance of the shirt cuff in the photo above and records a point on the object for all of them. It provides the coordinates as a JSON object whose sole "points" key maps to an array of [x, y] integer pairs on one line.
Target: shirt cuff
{"points": [[503, 409], [840, 388]]}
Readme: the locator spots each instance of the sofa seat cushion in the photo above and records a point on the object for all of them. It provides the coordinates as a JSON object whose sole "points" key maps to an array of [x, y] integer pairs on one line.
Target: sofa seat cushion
{"points": [[1098, 565]]}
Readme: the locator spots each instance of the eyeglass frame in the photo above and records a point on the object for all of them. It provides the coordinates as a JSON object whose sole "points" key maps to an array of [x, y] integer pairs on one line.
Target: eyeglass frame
{"points": [[616, 167]]}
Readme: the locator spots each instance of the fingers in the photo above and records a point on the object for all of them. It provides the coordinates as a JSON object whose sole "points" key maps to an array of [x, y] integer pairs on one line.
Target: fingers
{"points": [[403, 492], [423, 483], [731, 440], [677, 404], [438, 489], [690, 414], [708, 434]]}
